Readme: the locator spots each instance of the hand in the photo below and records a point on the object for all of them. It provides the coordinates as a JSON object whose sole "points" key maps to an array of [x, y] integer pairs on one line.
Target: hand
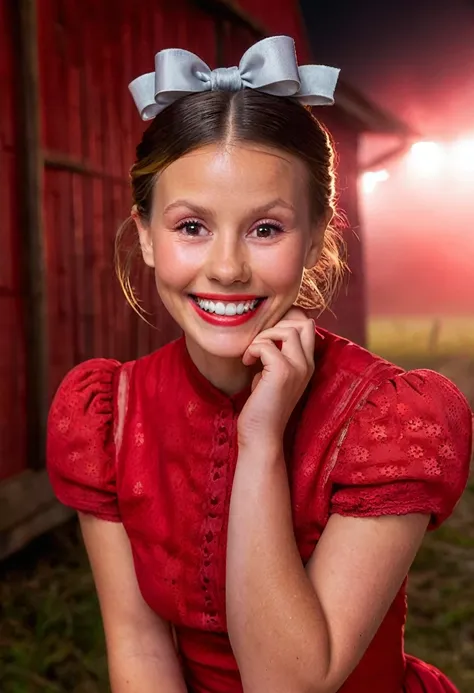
{"points": [[285, 375]]}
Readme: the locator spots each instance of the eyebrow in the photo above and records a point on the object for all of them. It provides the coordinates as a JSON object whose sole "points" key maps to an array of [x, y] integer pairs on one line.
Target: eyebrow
{"points": [[204, 211]]}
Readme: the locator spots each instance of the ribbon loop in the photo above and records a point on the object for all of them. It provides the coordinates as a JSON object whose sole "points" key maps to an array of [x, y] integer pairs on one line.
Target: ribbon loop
{"points": [[269, 65]]}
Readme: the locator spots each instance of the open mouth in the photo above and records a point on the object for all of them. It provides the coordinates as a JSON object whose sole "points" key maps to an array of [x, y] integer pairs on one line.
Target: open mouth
{"points": [[227, 308]]}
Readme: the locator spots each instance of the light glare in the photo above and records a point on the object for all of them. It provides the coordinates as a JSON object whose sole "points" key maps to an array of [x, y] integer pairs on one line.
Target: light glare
{"points": [[426, 158], [463, 156], [371, 179]]}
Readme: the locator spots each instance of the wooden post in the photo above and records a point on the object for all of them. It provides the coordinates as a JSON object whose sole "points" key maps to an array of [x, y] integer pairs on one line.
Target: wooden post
{"points": [[30, 200]]}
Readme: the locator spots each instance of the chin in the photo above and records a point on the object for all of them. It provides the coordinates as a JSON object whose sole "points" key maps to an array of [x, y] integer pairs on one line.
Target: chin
{"points": [[228, 347]]}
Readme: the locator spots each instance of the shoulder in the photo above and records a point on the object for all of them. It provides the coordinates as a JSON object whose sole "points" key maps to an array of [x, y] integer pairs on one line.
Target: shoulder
{"points": [[406, 447], [85, 392], [93, 371], [86, 419], [343, 371], [80, 455], [414, 404], [340, 361]]}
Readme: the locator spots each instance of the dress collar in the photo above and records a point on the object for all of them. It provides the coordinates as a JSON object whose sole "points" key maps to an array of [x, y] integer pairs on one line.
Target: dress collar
{"points": [[211, 394], [206, 390]]}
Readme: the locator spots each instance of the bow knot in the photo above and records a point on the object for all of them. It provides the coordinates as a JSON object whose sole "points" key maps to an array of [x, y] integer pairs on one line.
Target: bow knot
{"points": [[269, 65], [226, 79]]}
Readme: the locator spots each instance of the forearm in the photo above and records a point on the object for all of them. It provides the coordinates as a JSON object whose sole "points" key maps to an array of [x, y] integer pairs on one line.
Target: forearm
{"points": [[144, 673], [275, 621]]}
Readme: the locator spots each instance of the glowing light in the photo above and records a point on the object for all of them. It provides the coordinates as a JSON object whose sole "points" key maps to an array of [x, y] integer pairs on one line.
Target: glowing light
{"points": [[426, 158], [463, 157], [371, 179]]}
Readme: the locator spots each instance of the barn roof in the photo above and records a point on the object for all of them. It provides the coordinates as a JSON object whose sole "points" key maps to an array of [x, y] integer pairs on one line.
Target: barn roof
{"points": [[364, 113]]}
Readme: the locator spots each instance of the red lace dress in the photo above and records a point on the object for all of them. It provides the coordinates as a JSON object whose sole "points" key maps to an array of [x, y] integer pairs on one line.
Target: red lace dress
{"points": [[367, 439]]}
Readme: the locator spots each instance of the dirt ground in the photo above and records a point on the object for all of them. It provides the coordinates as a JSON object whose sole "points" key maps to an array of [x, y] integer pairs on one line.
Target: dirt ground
{"points": [[51, 638]]}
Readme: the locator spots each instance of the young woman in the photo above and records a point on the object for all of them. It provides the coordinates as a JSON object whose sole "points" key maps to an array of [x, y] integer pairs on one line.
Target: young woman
{"points": [[252, 495]]}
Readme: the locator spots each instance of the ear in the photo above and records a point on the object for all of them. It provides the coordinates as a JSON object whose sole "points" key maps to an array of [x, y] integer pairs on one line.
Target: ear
{"points": [[317, 239], [144, 234]]}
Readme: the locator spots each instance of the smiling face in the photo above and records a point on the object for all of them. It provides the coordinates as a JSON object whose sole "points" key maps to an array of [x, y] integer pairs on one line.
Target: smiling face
{"points": [[229, 236]]}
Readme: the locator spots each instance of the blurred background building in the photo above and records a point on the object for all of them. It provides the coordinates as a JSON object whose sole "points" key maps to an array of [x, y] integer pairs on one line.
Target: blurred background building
{"points": [[68, 131], [404, 130]]}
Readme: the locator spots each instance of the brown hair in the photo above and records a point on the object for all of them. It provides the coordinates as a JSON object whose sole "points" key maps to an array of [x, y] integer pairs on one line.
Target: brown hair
{"points": [[207, 118]]}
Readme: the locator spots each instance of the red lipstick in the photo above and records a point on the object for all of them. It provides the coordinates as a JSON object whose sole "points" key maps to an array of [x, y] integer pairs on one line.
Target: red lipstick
{"points": [[225, 320]]}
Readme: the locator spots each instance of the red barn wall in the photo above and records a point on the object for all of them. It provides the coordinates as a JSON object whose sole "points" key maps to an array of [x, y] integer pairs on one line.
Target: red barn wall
{"points": [[12, 342], [88, 55], [89, 128]]}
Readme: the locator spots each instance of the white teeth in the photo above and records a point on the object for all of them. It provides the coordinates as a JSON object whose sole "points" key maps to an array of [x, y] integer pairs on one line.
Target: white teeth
{"points": [[227, 308]]}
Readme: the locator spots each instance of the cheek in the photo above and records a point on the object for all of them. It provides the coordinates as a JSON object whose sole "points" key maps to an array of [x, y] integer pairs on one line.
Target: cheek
{"points": [[281, 267], [176, 262]]}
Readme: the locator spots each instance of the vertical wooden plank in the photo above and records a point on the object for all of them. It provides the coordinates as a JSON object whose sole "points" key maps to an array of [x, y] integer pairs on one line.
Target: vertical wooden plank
{"points": [[72, 86], [78, 262], [31, 184], [7, 77], [127, 111], [220, 28], [12, 338], [12, 303], [122, 194], [91, 118], [200, 35], [94, 269], [112, 164], [60, 276]]}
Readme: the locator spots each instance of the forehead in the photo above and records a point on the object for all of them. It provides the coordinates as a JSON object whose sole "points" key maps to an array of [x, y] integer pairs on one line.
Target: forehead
{"points": [[249, 172]]}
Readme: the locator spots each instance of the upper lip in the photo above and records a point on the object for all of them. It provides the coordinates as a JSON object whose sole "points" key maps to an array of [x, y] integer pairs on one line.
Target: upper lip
{"points": [[227, 297]]}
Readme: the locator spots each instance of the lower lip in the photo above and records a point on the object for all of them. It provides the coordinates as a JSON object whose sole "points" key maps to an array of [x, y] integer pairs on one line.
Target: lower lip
{"points": [[226, 320]]}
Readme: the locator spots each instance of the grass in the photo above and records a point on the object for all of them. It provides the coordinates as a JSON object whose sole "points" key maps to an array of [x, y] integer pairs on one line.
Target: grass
{"points": [[51, 638], [440, 626]]}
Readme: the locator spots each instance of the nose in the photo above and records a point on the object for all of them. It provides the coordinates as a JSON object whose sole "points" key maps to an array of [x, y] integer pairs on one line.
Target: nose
{"points": [[228, 261]]}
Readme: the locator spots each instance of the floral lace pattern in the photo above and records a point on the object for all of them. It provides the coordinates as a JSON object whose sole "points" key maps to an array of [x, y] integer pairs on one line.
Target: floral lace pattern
{"points": [[406, 450], [152, 444]]}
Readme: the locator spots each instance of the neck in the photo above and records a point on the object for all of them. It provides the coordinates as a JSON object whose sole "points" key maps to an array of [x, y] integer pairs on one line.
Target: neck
{"points": [[229, 375]]}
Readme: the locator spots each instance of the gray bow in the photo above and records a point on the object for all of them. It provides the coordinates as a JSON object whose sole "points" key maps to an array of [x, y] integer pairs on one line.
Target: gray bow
{"points": [[269, 65]]}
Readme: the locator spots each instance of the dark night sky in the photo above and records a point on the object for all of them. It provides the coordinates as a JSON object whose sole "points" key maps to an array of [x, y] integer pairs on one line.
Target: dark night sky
{"points": [[415, 57]]}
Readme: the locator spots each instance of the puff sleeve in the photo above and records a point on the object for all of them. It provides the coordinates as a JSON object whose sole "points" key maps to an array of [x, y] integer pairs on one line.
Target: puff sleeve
{"points": [[80, 447], [406, 450]]}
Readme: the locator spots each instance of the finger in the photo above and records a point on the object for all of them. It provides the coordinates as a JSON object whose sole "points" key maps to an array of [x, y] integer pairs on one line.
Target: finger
{"points": [[266, 351], [291, 346], [306, 337], [307, 330]]}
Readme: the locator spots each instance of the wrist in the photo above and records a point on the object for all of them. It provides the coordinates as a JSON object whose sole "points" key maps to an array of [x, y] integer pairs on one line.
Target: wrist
{"points": [[261, 448]]}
